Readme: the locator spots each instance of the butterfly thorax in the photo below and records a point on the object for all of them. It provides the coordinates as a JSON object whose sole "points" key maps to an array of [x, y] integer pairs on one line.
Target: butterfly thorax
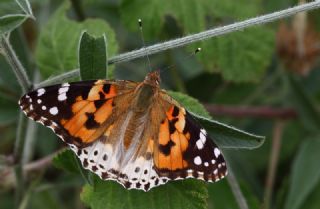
{"points": [[146, 92]]}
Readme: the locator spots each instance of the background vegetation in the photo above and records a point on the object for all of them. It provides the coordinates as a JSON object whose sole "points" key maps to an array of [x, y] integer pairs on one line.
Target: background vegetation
{"points": [[264, 80]]}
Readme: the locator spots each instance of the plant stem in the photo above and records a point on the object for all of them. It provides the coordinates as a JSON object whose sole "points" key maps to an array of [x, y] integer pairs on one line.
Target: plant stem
{"points": [[59, 79], [274, 156], [250, 111], [29, 143], [78, 9], [242, 203], [19, 143], [16, 66], [40, 164], [18, 147], [156, 48], [30, 134]]}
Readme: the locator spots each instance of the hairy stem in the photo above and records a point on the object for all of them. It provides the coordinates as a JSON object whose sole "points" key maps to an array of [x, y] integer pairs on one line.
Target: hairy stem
{"points": [[59, 79], [18, 148], [156, 48], [30, 135], [16, 66], [19, 143], [41, 163]]}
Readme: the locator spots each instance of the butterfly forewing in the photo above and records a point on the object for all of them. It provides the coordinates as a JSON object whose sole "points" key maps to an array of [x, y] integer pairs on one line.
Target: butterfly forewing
{"points": [[77, 112]]}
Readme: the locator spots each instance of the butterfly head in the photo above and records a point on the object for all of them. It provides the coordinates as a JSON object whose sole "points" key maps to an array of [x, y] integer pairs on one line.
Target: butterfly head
{"points": [[153, 78]]}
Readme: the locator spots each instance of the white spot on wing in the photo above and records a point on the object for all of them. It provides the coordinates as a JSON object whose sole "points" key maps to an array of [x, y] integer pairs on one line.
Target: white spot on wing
{"points": [[215, 172], [199, 144], [53, 110], [202, 140], [43, 107], [206, 164], [63, 89], [39, 101], [62, 97], [203, 137], [197, 160], [40, 92], [216, 152]]}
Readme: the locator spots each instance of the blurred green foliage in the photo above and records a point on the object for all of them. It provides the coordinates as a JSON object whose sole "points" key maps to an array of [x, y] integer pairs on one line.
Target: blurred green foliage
{"points": [[239, 69]]}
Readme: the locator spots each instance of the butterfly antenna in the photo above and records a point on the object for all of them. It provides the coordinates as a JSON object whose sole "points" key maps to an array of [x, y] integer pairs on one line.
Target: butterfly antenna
{"points": [[187, 57], [143, 43]]}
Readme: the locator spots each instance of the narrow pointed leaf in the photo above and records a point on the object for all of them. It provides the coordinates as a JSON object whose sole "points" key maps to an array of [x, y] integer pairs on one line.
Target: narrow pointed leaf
{"points": [[93, 57]]}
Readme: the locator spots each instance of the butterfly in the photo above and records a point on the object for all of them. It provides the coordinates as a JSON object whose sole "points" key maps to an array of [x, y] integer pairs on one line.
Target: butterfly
{"points": [[130, 132]]}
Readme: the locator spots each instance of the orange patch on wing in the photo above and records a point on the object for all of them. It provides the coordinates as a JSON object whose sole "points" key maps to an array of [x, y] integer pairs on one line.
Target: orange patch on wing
{"points": [[169, 113], [164, 161], [183, 142], [79, 98], [94, 92], [112, 92], [187, 135], [77, 121], [176, 152], [180, 124], [63, 121], [86, 135], [102, 114], [164, 133], [76, 107], [108, 131]]}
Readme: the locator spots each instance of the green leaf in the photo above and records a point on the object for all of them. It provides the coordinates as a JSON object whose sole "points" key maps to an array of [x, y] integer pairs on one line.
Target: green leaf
{"points": [[13, 14], [191, 16], [306, 108], [10, 22], [240, 56], [57, 51], [313, 201], [66, 160], [305, 173], [93, 57], [239, 9], [185, 194], [223, 135], [220, 192]]}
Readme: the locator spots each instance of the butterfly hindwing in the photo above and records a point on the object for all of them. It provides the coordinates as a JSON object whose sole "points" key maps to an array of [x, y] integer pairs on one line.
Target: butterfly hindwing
{"points": [[185, 150]]}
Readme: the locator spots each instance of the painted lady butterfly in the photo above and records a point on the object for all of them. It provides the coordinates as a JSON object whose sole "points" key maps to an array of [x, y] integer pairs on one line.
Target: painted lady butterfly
{"points": [[130, 132]]}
